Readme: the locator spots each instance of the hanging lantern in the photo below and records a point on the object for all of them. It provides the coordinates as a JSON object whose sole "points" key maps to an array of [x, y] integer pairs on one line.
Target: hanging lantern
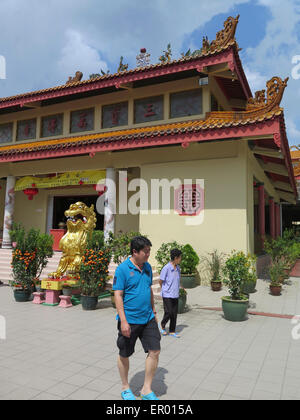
{"points": [[31, 192], [101, 189]]}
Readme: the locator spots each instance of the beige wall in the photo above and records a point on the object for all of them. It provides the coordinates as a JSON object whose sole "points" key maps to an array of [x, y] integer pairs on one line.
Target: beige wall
{"points": [[225, 214]]}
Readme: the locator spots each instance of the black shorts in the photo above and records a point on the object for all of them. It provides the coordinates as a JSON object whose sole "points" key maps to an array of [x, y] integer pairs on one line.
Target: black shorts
{"points": [[148, 334]]}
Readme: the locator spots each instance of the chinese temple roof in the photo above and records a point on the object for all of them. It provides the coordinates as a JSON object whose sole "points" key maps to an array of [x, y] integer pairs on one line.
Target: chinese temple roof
{"points": [[223, 49], [295, 155], [262, 123]]}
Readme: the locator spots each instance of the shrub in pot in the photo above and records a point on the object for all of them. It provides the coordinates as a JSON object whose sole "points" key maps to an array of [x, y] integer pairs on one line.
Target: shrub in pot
{"points": [[163, 254], [120, 245], [249, 284], [188, 266], [213, 265], [236, 270], [276, 274], [182, 300], [93, 274]]}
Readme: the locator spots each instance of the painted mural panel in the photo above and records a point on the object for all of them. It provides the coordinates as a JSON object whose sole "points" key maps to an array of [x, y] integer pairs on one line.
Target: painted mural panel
{"points": [[6, 133], [148, 109], [52, 125], [184, 104], [115, 115], [26, 130], [82, 120]]}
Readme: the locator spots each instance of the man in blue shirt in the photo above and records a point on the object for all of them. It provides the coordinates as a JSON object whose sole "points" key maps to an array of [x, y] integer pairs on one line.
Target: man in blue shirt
{"points": [[170, 284], [136, 315]]}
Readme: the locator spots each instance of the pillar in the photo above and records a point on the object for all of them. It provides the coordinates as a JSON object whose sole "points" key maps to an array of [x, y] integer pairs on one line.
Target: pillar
{"points": [[272, 217], [8, 211], [110, 202], [261, 213], [277, 220]]}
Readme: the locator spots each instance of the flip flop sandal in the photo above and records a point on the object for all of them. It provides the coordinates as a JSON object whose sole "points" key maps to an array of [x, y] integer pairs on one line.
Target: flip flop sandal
{"points": [[174, 335], [127, 395], [150, 396], [163, 332]]}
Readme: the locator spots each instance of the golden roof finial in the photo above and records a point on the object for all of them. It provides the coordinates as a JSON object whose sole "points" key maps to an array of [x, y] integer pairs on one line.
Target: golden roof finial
{"points": [[223, 37], [275, 90]]}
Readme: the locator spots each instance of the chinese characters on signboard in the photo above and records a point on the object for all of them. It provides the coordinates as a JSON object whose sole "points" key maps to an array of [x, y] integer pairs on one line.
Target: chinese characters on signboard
{"points": [[149, 109], [52, 125], [26, 130], [115, 115], [82, 120], [6, 133]]}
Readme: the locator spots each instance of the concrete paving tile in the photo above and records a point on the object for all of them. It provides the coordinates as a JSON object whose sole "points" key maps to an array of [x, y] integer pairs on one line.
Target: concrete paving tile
{"points": [[22, 394], [83, 394], [226, 397], [200, 394], [78, 380], [238, 391], [100, 385], [44, 396], [62, 389], [264, 395], [267, 386]]}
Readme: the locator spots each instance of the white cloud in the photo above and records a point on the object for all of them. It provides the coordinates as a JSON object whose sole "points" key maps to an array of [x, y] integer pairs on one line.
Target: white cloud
{"points": [[257, 81], [77, 54]]}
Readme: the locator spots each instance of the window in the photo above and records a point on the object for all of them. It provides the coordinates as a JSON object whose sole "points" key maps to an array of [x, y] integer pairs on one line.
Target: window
{"points": [[26, 130], [82, 120], [185, 104], [6, 133], [149, 109], [115, 115], [52, 125]]}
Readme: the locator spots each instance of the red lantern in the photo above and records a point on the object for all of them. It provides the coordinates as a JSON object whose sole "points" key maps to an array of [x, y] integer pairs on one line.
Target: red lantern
{"points": [[31, 192], [80, 182], [101, 189]]}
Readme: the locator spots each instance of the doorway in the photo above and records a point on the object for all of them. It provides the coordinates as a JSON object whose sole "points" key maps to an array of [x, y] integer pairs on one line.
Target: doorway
{"points": [[61, 204]]}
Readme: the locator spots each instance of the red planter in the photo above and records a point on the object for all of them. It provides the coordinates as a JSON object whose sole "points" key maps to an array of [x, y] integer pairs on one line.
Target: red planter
{"points": [[275, 290]]}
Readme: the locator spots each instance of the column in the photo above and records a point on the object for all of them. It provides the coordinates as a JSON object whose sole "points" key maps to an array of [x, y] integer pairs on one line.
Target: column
{"points": [[277, 220], [110, 202], [272, 217], [261, 213], [8, 211]]}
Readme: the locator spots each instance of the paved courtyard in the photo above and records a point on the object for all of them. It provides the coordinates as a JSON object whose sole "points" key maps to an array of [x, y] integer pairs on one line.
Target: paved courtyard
{"points": [[52, 353]]}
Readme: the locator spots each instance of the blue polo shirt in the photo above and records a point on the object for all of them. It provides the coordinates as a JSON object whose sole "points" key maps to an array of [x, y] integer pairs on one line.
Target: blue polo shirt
{"points": [[136, 286]]}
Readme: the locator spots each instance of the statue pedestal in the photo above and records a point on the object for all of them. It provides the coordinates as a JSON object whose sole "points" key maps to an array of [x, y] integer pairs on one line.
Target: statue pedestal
{"points": [[65, 302], [52, 297]]}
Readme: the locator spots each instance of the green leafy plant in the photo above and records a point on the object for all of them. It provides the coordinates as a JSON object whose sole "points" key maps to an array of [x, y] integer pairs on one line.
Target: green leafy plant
{"points": [[236, 270], [189, 260], [213, 264], [276, 271], [182, 292], [30, 257], [96, 240], [94, 271], [163, 254], [120, 245]]}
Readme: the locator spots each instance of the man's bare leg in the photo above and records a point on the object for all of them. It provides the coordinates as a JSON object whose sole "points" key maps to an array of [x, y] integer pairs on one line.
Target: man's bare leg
{"points": [[151, 366], [123, 365]]}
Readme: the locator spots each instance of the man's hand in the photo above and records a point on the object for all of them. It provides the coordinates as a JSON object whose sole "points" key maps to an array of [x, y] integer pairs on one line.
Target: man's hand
{"points": [[125, 329]]}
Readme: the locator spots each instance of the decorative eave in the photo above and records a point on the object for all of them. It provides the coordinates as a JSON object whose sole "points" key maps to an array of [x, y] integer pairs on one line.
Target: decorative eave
{"points": [[222, 50]]}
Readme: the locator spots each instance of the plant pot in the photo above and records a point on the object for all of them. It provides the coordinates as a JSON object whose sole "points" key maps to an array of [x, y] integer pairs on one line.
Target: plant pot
{"points": [[22, 295], [67, 292], [89, 303], [234, 310], [181, 304], [188, 281], [275, 289], [216, 286], [248, 287]]}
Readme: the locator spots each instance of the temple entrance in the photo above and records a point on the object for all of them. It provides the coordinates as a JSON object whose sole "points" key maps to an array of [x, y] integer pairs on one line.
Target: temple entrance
{"points": [[61, 204]]}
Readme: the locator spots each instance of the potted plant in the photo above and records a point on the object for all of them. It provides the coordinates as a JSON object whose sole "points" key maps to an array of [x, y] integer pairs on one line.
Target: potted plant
{"points": [[276, 275], [213, 265], [249, 283], [236, 270], [93, 272], [67, 290], [37, 284], [188, 266], [182, 300]]}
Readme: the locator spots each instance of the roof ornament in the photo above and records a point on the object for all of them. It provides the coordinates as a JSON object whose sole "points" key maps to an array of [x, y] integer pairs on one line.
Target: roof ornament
{"points": [[166, 56], [143, 59], [223, 37], [77, 78], [122, 66], [275, 90]]}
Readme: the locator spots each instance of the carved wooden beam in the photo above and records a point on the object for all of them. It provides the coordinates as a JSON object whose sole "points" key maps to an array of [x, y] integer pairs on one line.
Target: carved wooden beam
{"points": [[267, 152], [283, 186], [290, 198], [274, 168]]}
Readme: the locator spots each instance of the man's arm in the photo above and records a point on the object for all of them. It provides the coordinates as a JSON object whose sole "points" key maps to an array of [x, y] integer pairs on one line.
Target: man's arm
{"points": [[153, 305], [125, 327]]}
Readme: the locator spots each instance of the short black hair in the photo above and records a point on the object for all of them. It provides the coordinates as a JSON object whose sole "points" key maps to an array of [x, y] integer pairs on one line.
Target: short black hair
{"points": [[175, 253], [138, 243]]}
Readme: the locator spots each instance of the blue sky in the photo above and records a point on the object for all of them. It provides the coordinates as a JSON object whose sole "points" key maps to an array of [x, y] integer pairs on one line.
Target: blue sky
{"points": [[44, 42]]}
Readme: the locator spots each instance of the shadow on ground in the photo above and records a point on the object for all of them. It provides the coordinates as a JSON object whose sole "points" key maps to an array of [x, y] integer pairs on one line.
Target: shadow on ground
{"points": [[158, 384]]}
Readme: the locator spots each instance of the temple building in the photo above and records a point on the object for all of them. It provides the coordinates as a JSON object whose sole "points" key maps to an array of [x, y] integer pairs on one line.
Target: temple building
{"points": [[291, 212], [191, 123]]}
